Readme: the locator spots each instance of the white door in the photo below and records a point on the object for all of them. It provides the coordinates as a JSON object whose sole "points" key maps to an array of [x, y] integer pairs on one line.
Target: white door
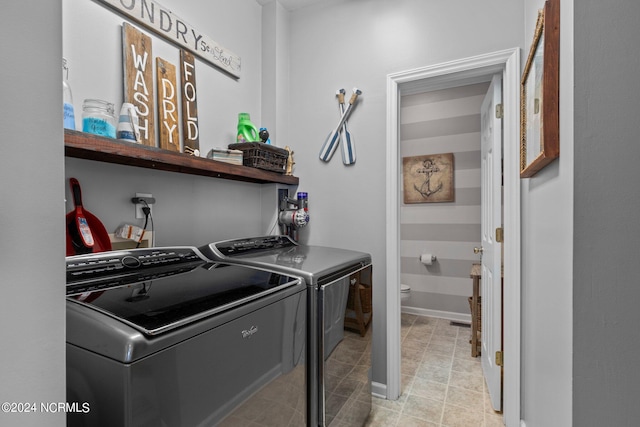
{"points": [[491, 218]]}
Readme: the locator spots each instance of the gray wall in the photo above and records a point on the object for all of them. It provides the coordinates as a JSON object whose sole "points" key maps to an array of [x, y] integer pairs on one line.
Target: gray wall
{"points": [[442, 121], [582, 334], [547, 251], [190, 210], [32, 363], [606, 382], [342, 44]]}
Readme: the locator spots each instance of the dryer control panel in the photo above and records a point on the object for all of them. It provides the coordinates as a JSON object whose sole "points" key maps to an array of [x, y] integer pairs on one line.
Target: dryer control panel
{"points": [[237, 247]]}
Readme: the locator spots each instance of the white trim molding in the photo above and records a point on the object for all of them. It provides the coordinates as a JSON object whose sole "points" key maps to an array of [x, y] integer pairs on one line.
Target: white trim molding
{"points": [[378, 390], [511, 223], [452, 74], [393, 242], [446, 315]]}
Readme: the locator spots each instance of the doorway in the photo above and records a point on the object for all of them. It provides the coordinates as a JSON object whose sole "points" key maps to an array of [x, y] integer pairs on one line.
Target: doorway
{"points": [[452, 74], [442, 130]]}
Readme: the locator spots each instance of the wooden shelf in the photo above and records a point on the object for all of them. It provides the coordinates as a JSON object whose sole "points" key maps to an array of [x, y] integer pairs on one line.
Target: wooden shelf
{"points": [[93, 147]]}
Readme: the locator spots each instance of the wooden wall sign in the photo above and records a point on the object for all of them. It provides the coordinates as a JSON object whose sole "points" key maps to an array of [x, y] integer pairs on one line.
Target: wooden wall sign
{"points": [[190, 130], [169, 26], [167, 105], [138, 80]]}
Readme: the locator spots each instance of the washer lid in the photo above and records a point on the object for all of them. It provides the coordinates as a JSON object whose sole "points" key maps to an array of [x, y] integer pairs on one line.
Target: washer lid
{"points": [[154, 305]]}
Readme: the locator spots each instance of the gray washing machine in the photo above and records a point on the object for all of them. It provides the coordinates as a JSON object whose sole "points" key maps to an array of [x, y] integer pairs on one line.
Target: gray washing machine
{"points": [[162, 337], [339, 365]]}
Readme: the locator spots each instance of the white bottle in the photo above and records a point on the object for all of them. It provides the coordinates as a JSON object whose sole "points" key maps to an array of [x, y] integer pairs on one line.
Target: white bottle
{"points": [[128, 123]]}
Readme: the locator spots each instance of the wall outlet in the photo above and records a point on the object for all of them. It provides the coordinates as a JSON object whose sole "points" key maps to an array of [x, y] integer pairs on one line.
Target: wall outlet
{"points": [[139, 206]]}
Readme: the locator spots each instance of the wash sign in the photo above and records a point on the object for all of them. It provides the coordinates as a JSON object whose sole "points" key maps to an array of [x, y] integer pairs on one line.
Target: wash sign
{"points": [[166, 24], [138, 80]]}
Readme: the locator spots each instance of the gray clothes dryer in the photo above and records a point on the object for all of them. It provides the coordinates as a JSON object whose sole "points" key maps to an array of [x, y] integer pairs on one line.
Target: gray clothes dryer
{"points": [[338, 366]]}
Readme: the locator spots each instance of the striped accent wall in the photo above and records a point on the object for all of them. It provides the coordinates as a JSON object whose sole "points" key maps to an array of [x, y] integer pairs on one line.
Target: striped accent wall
{"points": [[442, 121]]}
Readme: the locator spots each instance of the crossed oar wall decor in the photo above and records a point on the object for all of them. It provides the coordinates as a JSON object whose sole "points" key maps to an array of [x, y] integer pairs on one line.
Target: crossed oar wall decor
{"points": [[333, 139]]}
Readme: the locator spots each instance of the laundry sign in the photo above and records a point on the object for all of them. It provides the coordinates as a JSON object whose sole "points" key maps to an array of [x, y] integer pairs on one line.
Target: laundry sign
{"points": [[165, 23]]}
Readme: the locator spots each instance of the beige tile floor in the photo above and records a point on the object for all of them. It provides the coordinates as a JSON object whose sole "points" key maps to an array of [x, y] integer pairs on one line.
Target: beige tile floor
{"points": [[442, 385]]}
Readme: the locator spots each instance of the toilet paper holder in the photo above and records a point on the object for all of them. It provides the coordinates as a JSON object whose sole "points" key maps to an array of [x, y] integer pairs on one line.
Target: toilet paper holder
{"points": [[427, 259]]}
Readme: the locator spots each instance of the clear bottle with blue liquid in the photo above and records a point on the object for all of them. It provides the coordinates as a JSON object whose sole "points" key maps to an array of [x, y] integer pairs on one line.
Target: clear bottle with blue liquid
{"points": [[69, 119]]}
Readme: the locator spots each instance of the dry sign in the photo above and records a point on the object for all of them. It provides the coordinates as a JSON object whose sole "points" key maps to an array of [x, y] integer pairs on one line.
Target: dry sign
{"points": [[167, 105]]}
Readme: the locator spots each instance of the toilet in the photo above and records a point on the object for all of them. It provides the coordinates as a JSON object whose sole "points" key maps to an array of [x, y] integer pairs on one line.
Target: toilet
{"points": [[405, 291]]}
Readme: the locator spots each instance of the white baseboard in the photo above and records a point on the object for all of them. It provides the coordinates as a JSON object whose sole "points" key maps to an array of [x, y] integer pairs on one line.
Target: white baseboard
{"points": [[378, 390], [448, 315]]}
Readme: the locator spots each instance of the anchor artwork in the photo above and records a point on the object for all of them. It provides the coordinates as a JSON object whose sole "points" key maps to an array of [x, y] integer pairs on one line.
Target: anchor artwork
{"points": [[428, 178]]}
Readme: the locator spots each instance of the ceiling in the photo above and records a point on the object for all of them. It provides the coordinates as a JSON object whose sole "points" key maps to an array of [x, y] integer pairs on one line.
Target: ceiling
{"points": [[291, 4]]}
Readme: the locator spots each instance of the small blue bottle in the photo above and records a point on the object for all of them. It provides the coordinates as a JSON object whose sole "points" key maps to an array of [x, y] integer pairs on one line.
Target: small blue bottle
{"points": [[264, 135]]}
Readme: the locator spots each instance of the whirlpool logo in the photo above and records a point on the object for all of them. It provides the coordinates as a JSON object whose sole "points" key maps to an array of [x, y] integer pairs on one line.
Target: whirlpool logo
{"points": [[248, 332]]}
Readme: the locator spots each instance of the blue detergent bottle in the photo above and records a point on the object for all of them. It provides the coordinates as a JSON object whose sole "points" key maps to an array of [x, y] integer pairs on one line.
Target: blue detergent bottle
{"points": [[247, 131]]}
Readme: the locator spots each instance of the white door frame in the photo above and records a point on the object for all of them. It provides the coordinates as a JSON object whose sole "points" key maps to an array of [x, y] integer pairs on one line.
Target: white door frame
{"points": [[491, 250], [450, 74]]}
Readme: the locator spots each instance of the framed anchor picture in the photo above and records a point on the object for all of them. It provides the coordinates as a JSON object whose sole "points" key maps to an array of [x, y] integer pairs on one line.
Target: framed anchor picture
{"points": [[428, 178]]}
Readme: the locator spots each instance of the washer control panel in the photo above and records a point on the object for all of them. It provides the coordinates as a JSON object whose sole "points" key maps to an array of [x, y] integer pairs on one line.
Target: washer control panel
{"points": [[86, 272]]}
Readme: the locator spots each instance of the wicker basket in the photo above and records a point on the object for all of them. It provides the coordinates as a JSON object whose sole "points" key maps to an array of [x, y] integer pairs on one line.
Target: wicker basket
{"points": [[478, 330], [262, 156], [478, 312], [365, 298]]}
